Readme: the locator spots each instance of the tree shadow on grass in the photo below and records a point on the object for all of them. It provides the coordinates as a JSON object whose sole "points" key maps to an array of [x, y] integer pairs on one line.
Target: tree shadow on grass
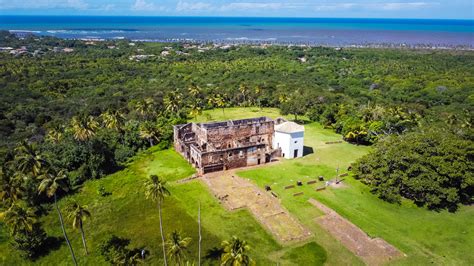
{"points": [[51, 243]]}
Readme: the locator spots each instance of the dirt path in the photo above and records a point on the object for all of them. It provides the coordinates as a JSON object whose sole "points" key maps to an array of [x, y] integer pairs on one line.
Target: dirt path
{"points": [[373, 251], [235, 193]]}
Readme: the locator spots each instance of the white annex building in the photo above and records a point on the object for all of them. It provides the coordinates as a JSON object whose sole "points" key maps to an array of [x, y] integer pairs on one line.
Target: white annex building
{"points": [[289, 137]]}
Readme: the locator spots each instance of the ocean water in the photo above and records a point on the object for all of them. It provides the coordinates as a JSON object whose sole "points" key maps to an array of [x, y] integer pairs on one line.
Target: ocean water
{"points": [[316, 31]]}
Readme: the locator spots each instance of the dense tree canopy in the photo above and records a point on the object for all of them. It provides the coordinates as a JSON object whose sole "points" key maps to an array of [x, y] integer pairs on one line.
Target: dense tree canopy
{"points": [[431, 167]]}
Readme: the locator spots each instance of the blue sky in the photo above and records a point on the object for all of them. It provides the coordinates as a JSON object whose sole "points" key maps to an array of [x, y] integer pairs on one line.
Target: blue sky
{"points": [[455, 9]]}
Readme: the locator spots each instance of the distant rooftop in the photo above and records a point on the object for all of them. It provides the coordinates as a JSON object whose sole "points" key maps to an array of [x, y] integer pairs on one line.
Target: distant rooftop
{"points": [[289, 127]]}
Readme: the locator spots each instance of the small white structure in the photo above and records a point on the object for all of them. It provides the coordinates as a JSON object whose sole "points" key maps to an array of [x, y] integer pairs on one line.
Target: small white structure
{"points": [[289, 136]]}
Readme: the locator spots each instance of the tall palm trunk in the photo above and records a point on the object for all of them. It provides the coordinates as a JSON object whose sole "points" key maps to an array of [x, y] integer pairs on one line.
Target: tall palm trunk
{"points": [[64, 230], [200, 238], [161, 231], [83, 237]]}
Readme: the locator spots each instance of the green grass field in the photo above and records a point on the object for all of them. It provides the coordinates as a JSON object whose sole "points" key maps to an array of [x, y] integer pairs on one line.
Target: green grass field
{"points": [[426, 237]]}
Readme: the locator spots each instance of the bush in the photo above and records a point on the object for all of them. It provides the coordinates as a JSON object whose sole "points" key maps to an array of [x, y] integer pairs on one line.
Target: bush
{"points": [[31, 244]]}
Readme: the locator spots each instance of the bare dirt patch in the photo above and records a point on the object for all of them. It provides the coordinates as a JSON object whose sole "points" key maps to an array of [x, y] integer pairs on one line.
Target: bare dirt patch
{"points": [[235, 193], [373, 251]]}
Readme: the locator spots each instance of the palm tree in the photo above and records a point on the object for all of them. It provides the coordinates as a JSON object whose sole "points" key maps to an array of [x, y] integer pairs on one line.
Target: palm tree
{"points": [[173, 102], [219, 101], [149, 132], [235, 253], [134, 259], [177, 246], [113, 120], [195, 110], [29, 159], [155, 189], [194, 91], [146, 107], [51, 181], [78, 214], [20, 219], [243, 90], [10, 188], [283, 98], [55, 135], [84, 127], [258, 92], [200, 238]]}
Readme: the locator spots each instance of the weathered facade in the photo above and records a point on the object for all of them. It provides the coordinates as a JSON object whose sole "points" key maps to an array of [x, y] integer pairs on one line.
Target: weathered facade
{"points": [[224, 145]]}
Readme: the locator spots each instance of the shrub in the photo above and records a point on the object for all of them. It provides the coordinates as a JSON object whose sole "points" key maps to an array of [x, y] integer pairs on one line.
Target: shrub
{"points": [[31, 244]]}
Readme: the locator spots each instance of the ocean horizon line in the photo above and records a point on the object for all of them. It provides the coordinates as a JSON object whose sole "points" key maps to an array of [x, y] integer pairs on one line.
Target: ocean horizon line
{"points": [[243, 17]]}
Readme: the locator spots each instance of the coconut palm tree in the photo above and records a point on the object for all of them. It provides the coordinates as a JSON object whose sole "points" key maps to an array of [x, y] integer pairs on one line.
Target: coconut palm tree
{"points": [[243, 91], [51, 182], [283, 98], [177, 246], [134, 259], [10, 187], [19, 219], [155, 189], [146, 107], [194, 91], [78, 214], [199, 234], [149, 132], [195, 109], [173, 102], [28, 159], [218, 101], [235, 253], [113, 120], [257, 99], [84, 127], [55, 135]]}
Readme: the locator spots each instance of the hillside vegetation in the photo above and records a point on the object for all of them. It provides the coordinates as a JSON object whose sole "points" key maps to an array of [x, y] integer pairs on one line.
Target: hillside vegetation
{"points": [[69, 119]]}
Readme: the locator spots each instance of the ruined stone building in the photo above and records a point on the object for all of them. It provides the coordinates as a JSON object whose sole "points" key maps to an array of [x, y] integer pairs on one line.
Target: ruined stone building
{"points": [[224, 145]]}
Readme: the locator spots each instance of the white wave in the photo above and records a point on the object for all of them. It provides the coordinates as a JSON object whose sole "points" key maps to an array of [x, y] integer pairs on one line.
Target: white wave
{"points": [[251, 39], [26, 31]]}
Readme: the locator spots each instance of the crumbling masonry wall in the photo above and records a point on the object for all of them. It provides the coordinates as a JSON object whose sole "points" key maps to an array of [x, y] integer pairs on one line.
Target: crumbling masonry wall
{"points": [[224, 145]]}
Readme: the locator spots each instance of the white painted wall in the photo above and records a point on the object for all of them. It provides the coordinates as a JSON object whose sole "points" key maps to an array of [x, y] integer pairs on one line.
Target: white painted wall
{"points": [[288, 143]]}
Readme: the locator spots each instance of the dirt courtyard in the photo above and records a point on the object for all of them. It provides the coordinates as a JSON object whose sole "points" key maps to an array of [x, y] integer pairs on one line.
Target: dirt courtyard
{"points": [[373, 251], [235, 193]]}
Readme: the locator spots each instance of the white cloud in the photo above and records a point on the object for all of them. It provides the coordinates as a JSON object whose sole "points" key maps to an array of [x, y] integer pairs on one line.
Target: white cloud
{"points": [[77, 4], [199, 6], [250, 6], [107, 7], [401, 6], [39, 4], [184, 6], [142, 5], [390, 6]]}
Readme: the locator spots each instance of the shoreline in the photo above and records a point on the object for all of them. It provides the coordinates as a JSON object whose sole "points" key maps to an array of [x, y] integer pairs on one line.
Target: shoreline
{"points": [[258, 42]]}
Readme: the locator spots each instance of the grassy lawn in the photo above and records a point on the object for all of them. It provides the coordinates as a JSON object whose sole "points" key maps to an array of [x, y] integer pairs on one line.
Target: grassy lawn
{"points": [[424, 236], [128, 214]]}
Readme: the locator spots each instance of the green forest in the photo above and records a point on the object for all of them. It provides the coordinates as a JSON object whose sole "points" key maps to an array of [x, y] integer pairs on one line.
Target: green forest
{"points": [[68, 117]]}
